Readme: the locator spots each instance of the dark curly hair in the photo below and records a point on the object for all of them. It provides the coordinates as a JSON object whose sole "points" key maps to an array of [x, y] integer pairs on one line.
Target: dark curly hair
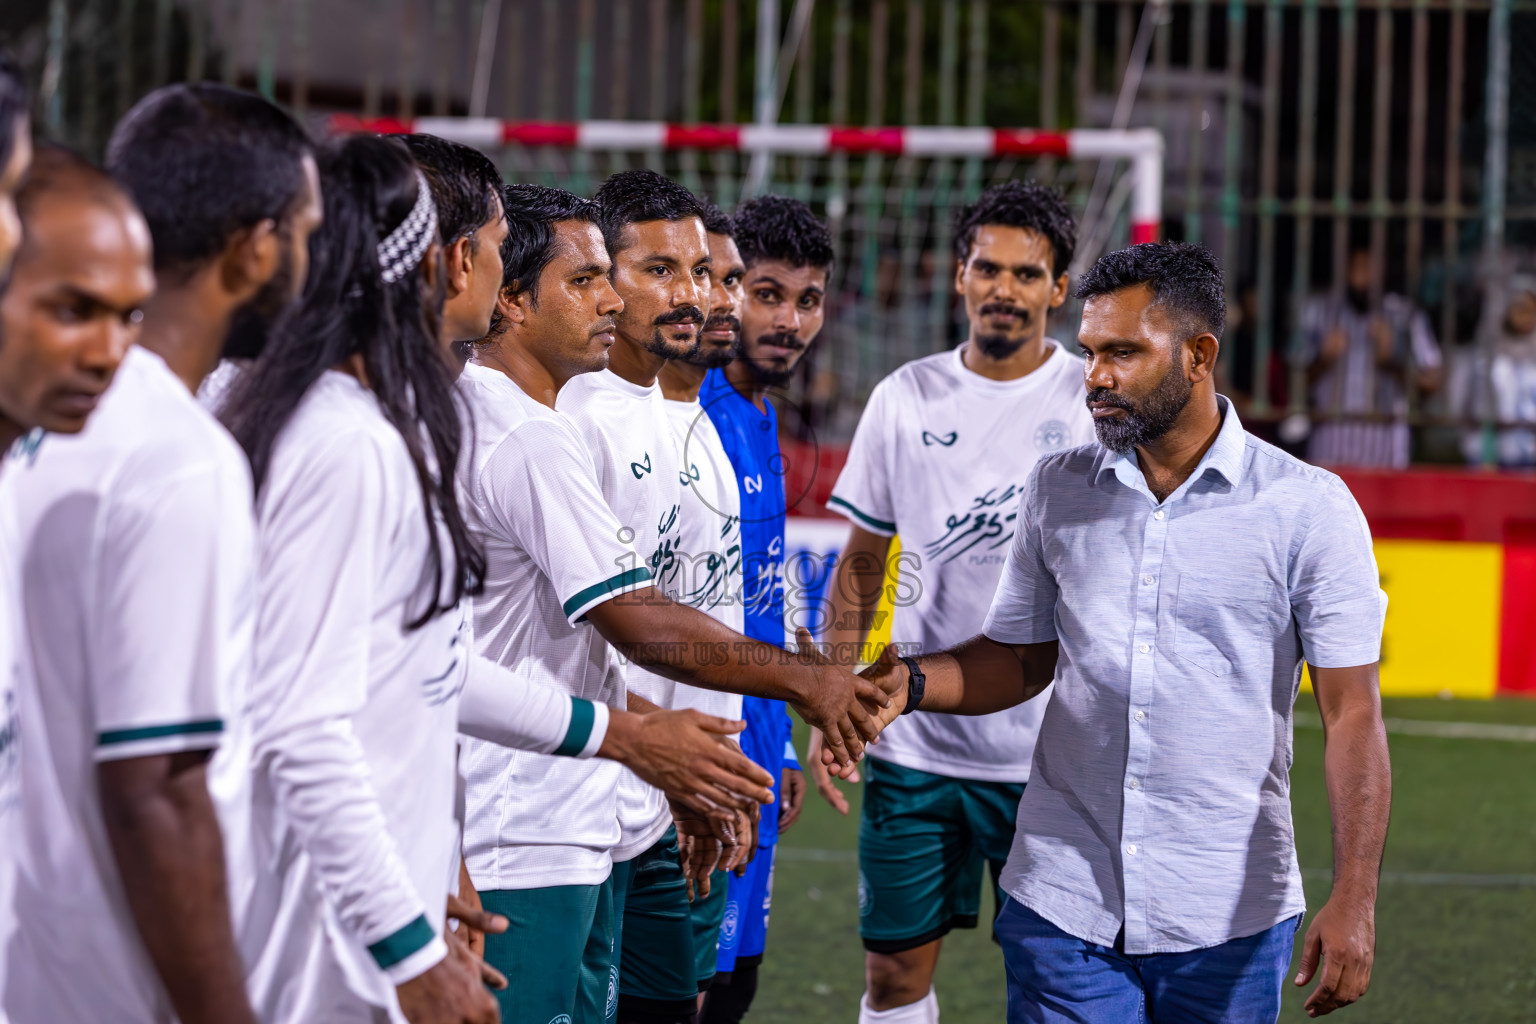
{"points": [[464, 181], [716, 220], [1185, 280], [532, 212], [780, 228], [630, 197], [1020, 204]]}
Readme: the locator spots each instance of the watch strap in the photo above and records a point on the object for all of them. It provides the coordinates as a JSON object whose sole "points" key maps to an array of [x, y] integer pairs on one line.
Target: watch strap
{"points": [[916, 682]]}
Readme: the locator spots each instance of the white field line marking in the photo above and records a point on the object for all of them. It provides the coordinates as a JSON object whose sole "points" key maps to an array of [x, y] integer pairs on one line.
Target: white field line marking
{"points": [[1420, 878], [1441, 730]]}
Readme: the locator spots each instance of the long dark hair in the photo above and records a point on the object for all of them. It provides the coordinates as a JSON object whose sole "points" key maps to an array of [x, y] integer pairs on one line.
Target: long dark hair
{"points": [[369, 186]]}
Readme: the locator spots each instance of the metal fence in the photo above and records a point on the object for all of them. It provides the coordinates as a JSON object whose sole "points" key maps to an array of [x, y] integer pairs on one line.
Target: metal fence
{"points": [[1293, 128]]}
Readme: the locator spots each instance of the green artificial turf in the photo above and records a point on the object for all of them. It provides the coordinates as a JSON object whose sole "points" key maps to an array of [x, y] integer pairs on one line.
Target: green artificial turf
{"points": [[1456, 919]]}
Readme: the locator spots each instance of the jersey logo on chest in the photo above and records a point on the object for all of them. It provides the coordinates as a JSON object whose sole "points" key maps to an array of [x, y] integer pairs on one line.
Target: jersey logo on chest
{"points": [[752, 484], [641, 468], [689, 475], [1051, 436], [930, 439]]}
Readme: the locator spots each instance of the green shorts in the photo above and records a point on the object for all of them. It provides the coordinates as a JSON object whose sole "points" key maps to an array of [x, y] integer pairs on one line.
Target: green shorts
{"points": [[708, 913], [923, 839], [659, 962], [557, 953]]}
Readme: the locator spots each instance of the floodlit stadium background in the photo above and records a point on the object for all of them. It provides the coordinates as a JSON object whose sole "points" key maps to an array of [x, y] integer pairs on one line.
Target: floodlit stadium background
{"points": [[1289, 128]]}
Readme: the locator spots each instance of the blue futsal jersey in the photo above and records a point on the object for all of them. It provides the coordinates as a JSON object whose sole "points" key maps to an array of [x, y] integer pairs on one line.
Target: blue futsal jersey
{"points": [[751, 440]]}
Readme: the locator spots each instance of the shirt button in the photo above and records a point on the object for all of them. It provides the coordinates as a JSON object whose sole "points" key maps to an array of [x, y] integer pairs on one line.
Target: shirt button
{"points": [[1135, 783], [1147, 580], [1158, 514], [1140, 715], [1144, 648], [1131, 849]]}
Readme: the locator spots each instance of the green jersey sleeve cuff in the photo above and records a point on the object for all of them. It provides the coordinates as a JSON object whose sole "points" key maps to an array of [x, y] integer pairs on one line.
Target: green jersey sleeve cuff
{"points": [[864, 519], [167, 738], [588, 726], [409, 951], [577, 606]]}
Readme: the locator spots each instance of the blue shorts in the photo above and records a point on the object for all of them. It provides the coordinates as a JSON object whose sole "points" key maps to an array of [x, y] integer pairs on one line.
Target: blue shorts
{"points": [[744, 931], [1057, 978]]}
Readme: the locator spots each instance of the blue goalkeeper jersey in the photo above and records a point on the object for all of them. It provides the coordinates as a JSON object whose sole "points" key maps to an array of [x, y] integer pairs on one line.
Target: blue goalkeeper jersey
{"points": [[751, 440]]}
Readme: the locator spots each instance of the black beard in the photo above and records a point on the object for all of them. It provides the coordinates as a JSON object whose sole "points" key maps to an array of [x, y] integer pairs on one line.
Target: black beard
{"points": [[997, 346], [708, 356], [765, 372], [770, 376], [1144, 422], [658, 344], [253, 323]]}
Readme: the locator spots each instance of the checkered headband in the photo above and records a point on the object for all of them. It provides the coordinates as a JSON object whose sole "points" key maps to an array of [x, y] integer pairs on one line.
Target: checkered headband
{"points": [[402, 250]]}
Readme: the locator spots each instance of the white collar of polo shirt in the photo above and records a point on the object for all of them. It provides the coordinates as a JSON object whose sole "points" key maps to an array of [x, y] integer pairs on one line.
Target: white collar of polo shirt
{"points": [[1225, 456]]}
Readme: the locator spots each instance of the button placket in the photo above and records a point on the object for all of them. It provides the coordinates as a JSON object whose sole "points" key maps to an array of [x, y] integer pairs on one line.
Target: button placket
{"points": [[1135, 885]]}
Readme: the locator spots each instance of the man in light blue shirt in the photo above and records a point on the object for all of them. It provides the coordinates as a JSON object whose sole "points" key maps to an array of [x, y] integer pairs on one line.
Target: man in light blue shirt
{"points": [[1173, 578]]}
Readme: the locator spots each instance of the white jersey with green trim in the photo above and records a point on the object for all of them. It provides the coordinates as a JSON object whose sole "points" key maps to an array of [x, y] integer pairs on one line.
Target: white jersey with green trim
{"points": [[939, 457], [136, 550], [554, 550], [355, 715], [709, 541], [626, 428], [357, 704]]}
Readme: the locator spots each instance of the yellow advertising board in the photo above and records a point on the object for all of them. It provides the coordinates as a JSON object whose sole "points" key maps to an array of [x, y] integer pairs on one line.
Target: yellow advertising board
{"points": [[1443, 617]]}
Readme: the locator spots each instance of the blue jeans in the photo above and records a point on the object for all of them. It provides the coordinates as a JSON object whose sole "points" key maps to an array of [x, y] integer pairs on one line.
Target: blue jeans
{"points": [[1057, 978]]}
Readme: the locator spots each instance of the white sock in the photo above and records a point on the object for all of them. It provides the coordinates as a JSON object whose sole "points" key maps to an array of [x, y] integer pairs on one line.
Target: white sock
{"points": [[924, 1011]]}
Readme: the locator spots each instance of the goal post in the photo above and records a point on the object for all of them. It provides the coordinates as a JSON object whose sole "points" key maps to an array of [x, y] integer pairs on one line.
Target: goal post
{"points": [[1141, 147]]}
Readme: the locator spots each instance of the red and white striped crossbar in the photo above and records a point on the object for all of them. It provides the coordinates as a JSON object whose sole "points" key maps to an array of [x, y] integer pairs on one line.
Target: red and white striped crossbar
{"points": [[1143, 147]]}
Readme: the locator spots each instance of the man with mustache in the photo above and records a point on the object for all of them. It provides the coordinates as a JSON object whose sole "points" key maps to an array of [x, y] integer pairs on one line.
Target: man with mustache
{"points": [[539, 827], [139, 570], [787, 253], [1172, 579], [710, 538], [941, 452], [655, 235]]}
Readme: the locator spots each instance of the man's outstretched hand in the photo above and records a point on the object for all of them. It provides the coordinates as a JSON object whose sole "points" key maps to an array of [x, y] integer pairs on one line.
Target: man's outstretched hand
{"points": [[849, 710], [688, 756]]}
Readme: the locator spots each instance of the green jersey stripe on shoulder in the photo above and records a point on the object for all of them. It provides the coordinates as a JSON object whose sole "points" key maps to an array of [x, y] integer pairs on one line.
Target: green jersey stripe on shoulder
{"points": [[393, 948], [868, 520], [583, 715], [154, 732], [624, 580]]}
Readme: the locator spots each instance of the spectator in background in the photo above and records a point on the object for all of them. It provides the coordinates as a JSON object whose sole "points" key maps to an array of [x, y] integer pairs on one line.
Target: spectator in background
{"points": [[1500, 385], [1367, 355]]}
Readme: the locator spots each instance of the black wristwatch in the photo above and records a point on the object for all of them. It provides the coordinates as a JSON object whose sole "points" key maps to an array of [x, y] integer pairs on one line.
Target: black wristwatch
{"points": [[915, 683]]}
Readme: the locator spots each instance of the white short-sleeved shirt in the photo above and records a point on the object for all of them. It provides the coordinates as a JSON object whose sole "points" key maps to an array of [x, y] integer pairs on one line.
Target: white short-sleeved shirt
{"points": [[136, 545], [709, 541], [940, 456], [554, 550], [355, 717], [626, 428]]}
